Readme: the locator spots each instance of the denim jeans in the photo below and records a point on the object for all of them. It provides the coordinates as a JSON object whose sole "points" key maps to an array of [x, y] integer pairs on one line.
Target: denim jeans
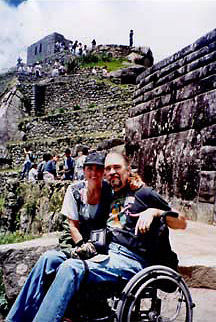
{"points": [[26, 168], [35, 304]]}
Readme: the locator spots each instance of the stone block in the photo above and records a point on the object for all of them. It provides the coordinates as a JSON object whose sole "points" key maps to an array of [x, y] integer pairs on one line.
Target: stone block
{"points": [[207, 190], [206, 111], [199, 276], [209, 135], [206, 212], [171, 163], [17, 261], [208, 156], [182, 116]]}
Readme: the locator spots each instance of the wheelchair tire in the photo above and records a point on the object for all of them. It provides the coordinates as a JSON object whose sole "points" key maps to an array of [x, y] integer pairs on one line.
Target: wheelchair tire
{"points": [[157, 293]]}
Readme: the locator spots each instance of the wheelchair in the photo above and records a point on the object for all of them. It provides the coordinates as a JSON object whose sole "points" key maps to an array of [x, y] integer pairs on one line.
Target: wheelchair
{"points": [[155, 294]]}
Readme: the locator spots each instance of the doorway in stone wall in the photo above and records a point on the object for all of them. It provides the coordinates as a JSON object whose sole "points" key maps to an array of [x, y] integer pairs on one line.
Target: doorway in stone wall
{"points": [[39, 99]]}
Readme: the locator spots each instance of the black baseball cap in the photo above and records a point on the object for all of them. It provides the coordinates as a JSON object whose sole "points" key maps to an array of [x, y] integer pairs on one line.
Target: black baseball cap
{"points": [[95, 158]]}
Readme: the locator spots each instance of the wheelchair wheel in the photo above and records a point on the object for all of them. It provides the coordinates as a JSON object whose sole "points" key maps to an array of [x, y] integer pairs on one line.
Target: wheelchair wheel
{"points": [[158, 294]]}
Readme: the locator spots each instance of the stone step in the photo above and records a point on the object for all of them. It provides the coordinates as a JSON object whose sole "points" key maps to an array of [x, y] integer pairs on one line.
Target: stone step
{"points": [[195, 247]]}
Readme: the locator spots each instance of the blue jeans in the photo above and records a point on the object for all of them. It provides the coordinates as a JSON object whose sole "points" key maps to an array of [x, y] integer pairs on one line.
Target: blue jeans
{"points": [[26, 168], [65, 276]]}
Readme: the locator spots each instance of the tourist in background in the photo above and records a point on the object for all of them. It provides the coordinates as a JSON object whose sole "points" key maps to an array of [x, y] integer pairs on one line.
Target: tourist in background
{"points": [[33, 174], [50, 173], [75, 47], [80, 49], [93, 44], [131, 38], [79, 163], [69, 164], [42, 164], [28, 162], [38, 69], [85, 50]]}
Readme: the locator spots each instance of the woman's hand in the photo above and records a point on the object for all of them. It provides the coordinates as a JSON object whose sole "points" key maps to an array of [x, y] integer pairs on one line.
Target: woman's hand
{"points": [[135, 181]]}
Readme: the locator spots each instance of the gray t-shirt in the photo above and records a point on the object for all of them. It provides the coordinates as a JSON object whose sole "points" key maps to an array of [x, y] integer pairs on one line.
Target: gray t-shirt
{"points": [[70, 206]]}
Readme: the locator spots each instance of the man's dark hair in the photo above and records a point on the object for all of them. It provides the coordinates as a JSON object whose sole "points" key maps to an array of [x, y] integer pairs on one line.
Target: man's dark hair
{"points": [[67, 151], [85, 150], [47, 157]]}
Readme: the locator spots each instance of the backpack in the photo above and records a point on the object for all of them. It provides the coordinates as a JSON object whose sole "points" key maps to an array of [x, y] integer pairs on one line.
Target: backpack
{"points": [[32, 157]]}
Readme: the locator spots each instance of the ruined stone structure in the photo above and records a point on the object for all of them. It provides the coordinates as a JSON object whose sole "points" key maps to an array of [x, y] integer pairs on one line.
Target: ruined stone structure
{"points": [[78, 109], [44, 48], [171, 132]]}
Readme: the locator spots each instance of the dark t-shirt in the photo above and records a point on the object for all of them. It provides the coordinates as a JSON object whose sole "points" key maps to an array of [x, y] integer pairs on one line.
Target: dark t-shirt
{"points": [[154, 244]]}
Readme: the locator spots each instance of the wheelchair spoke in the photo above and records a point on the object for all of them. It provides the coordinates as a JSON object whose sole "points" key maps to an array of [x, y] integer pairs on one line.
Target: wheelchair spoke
{"points": [[173, 306]]}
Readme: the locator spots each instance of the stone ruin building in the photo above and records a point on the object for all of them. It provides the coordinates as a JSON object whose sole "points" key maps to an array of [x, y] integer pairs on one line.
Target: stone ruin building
{"points": [[44, 48]]}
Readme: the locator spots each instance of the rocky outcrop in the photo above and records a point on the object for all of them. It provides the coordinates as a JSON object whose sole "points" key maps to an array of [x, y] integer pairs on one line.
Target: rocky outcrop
{"points": [[32, 208], [11, 111], [17, 260], [171, 132], [6, 79], [127, 75], [138, 55]]}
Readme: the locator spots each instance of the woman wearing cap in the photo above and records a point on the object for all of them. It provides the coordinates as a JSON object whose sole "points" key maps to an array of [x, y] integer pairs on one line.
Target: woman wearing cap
{"points": [[86, 206]]}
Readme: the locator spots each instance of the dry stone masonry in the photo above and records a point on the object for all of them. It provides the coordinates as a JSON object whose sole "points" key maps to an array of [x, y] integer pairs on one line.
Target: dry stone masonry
{"points": [[44, 48], [78, 108], [171, 131]]}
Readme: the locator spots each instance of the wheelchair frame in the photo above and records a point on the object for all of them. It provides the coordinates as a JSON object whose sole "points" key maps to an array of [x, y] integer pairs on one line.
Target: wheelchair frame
{"points": [[155, 294]]}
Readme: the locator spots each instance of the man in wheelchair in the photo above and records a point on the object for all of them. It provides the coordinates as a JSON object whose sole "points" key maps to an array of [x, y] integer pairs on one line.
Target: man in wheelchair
{"points": [[138, 237]]}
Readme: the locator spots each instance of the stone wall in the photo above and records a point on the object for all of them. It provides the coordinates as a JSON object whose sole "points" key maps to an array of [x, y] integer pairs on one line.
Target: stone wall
{"points": [[171, 132], [82, 90], [58, 145], [17, 260], [72, 92], [31, 208], [43, 48], [86, 121], [79, 109]]}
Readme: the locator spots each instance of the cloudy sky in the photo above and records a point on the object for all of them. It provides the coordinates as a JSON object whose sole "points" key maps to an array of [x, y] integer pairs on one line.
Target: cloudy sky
{"points": [[164, 26]]}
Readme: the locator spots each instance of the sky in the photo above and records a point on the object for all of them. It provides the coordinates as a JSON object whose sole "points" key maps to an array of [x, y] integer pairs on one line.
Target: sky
{"points": [[164, 26]]}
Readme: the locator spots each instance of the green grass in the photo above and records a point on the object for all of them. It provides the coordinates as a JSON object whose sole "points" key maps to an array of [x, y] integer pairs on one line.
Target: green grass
{"points": [[16, 237], [3, 299], [114, 64], [2, 203], [14, 170]]}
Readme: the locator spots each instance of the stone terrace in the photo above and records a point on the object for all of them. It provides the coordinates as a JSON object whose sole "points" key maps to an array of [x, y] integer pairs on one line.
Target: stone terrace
{"points": [[78, 108]]}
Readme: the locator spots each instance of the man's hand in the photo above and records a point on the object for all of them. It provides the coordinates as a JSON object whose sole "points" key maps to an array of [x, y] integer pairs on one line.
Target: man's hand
{"points": [[85, 251], [145, 219]]}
